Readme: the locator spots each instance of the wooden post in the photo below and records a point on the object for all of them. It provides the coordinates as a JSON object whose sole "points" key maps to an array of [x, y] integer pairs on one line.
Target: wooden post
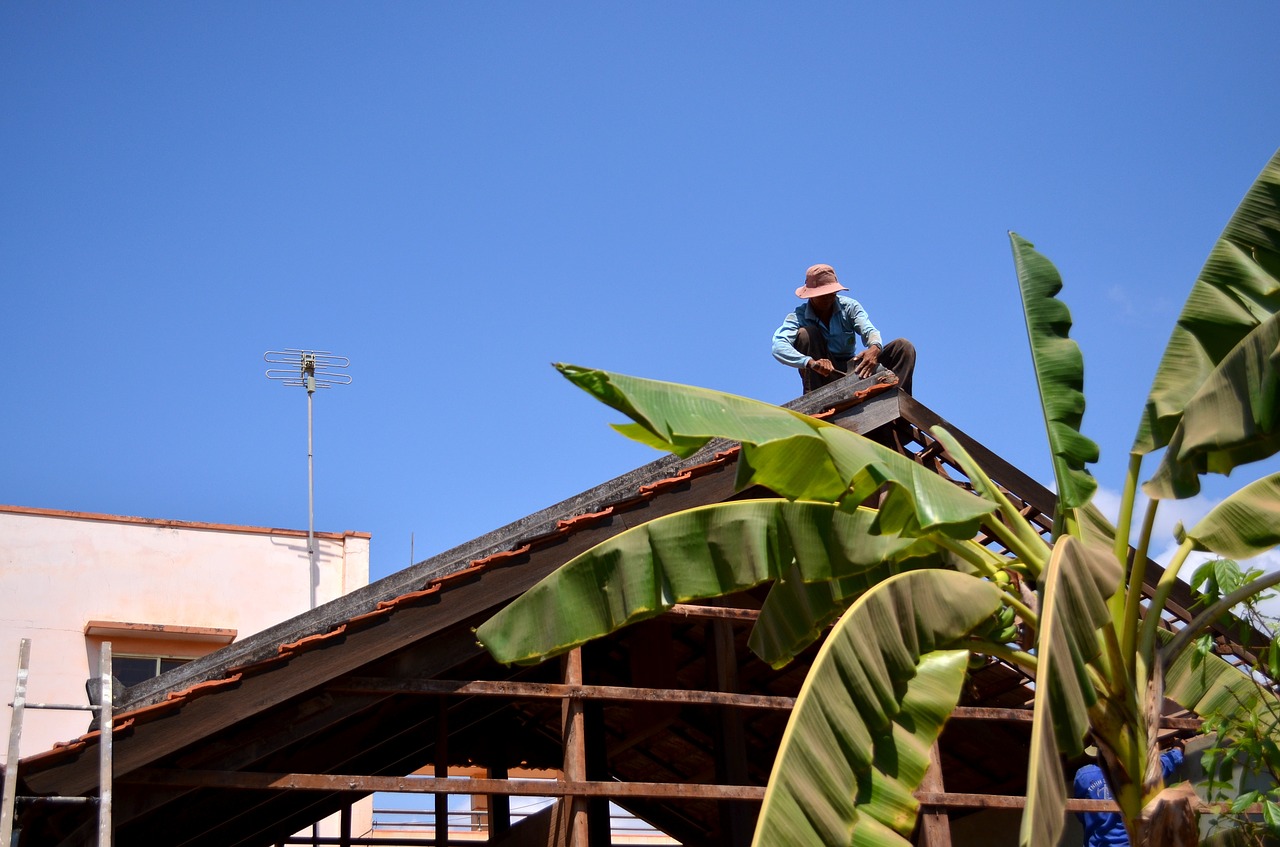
{"points": [[935, 826], [599, 825], [344, 827], [730, 737], [499, 805], [442, 771], [575, 754]]}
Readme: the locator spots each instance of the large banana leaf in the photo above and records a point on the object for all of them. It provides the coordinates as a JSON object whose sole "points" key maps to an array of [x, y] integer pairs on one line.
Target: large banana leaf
{"points": [[796, 613], [880, 689], [1232, 420], [1244, 525], [793, 455], [1078, 582], [1238, 288], [1059, 373], [704, 552], [1210, 686]]}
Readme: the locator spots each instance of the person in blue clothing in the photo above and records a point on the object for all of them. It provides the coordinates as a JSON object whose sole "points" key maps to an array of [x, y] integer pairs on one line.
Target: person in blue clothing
{"points": [[820, 337], [1106, 829]]}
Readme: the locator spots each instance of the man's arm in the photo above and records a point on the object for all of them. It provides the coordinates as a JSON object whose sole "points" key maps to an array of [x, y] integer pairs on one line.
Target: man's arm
{"points": [[784, 343]]}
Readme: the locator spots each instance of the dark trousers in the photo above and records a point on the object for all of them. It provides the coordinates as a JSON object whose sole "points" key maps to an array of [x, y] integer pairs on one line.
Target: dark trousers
{"points": [[898, 356]]}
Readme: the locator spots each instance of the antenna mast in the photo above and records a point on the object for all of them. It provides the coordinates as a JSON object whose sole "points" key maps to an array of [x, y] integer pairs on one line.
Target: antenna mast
{"points": [[310, 369]]}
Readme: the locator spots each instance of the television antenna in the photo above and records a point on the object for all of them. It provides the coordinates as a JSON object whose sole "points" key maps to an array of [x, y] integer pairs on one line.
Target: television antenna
{"points": [[310, 369]]}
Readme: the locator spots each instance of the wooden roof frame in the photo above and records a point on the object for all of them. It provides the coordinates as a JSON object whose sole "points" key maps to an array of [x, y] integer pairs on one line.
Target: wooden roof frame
{"points": [[295, 711]]}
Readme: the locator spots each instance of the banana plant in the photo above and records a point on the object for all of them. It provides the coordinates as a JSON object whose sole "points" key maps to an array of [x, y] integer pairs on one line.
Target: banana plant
{"points": [[907, 597]]}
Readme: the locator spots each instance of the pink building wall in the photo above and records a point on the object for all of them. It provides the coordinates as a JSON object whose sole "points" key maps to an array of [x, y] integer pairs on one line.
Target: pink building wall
{"points": [[69, 580]]}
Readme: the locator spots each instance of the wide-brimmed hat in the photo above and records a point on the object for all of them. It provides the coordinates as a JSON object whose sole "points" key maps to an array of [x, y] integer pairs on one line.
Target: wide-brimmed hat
{"points": [[819, 280]]}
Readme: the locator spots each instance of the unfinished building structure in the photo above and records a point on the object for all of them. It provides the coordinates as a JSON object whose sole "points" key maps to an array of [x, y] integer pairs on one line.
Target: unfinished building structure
{"points": [[386, 689]]}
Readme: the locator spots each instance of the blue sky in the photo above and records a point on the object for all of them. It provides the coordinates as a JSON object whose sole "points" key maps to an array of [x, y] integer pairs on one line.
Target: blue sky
{"points": [[456, 195]]}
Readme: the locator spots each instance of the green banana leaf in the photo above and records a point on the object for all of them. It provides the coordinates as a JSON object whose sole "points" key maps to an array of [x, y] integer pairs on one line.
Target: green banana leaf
{"points": [[1078, 582], [1059, 373], [699, 553], [1238, 288], [1210, 686], [793, 455], [796, 613], [879, 692], [1245, 524], [1232, 419]]}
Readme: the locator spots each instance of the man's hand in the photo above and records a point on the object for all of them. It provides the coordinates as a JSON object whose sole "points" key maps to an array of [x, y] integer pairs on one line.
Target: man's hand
{"points": [[822, 367], [864, 364]]}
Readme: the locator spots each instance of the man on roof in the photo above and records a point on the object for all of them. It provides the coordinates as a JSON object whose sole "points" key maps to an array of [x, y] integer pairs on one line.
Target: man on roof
{"points": [[820, 336]]}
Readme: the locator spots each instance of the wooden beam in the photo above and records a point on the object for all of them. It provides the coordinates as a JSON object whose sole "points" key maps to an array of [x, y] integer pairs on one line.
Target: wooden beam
{"points": [[257, 781], [714, 612], [557, 691], [986, 713], [942, 800]]}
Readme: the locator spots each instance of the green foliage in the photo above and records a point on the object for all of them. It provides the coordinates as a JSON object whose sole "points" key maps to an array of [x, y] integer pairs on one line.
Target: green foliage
{"points": [[873, 703], [1242, 762], [1059, 373], [1238, 289], [915, 598]]}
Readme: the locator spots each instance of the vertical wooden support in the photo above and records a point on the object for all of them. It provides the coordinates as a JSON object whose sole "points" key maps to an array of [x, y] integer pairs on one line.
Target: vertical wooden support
{"points": [[344, 827], [499, 805], [575, 754], [106, 727], [442, 771], [935, 826], [599, 825], [15, 743], [736, 824]]}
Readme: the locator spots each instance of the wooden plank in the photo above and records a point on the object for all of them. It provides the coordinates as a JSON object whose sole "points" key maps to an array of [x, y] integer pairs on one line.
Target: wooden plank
{"points": [[945, 800], [258, 781], [557, 691], [714, 612]]}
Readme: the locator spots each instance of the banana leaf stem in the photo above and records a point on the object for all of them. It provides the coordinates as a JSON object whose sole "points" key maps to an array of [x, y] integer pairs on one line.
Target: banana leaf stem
{"points": [[1021, 658], [1126, 507], [982, 559], [1137, 576], [1146, 644], [1019, 536], [1116, 604], [1113, 661]]}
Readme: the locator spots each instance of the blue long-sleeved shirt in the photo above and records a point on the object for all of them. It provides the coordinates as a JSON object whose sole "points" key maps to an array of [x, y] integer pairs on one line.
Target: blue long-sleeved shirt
{"points": [[1106, 829], [848, 322]]}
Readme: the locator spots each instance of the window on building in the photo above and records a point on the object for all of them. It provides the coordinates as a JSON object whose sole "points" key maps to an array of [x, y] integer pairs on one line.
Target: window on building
{"points": [[131, 670], [140, 651]]}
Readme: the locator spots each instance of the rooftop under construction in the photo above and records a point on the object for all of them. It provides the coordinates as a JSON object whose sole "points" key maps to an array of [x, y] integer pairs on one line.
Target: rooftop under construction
{"points": [[387, 690]]}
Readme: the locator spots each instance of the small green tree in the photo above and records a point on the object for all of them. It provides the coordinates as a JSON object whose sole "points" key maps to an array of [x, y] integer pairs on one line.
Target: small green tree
{"points": [[1241, 763], [914, 596]]}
